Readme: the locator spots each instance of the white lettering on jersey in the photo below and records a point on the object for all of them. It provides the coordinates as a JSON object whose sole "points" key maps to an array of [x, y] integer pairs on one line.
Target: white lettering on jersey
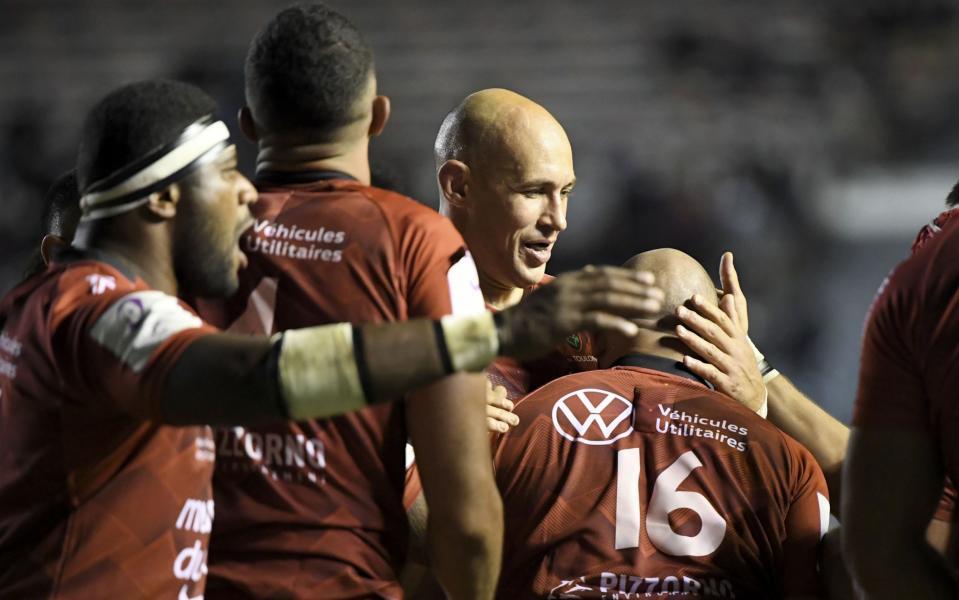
{"points": [[196, 516], [465, 294], [137, 324]]}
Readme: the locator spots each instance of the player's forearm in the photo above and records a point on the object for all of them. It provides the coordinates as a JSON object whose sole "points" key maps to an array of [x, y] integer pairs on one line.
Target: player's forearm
{"points": [[892, 571], [802, 419], [225, 379], [465, 548]]}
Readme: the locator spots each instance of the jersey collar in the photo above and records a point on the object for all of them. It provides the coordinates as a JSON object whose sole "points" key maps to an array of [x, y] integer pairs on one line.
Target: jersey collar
{"points": [[660, 363]]}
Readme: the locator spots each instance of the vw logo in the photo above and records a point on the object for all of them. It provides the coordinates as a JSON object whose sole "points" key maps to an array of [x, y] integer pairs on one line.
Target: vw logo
{"points": [[594, 417]]}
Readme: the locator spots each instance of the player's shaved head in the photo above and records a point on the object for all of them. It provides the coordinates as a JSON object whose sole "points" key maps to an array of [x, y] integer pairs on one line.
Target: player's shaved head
{"points": [[496, 124], [505, 171], [678, 274]]}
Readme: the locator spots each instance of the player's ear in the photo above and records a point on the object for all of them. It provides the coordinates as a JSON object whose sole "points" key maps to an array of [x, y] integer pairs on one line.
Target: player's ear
{"points": [[247, 124], [49, 245], [453, 178], [161, 206], [381, 114]]}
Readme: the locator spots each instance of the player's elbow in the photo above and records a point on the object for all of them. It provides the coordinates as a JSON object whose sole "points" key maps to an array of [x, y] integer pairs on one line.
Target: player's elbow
{"points": [[475, 525]]}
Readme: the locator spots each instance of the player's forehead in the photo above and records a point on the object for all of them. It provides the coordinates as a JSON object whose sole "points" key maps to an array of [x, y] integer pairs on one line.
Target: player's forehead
{"points": [[531, 154]]}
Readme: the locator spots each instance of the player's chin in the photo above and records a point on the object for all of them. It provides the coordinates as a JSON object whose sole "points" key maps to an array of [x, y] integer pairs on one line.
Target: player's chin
{"points": [[527, 275]]}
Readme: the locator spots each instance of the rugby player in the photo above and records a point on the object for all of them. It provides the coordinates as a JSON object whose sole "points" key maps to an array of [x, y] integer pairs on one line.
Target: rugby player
{"points": [[505, 173], [640, 479], [59, 222], [106, 379], [325, 246], [904, 434]]}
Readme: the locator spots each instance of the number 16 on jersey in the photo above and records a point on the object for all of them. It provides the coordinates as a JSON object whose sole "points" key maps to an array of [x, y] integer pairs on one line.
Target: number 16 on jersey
{"points": [[665, 499]]}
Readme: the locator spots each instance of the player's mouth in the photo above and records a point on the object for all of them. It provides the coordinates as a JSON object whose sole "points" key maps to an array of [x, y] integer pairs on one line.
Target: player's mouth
{"points": [[537, 252], [241, 259]]}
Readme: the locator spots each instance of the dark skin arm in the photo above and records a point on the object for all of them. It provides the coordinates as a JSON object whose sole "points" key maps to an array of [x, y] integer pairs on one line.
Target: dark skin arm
{"points": [[893, 479], [224, 379]]}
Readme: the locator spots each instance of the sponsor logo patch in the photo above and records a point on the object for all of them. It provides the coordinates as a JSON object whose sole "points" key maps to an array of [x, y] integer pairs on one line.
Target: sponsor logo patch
{"points": [[593, 416], [136, 324]]}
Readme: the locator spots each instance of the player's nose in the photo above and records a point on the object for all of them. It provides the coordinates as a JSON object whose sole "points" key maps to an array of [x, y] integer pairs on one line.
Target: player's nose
{"points": [[555, 214]]}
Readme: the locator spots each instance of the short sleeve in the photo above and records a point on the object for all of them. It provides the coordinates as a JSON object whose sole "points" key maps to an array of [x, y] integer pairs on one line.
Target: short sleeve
{"points": [[890, 389], [129, 339], [440, 273], [807, 521]]}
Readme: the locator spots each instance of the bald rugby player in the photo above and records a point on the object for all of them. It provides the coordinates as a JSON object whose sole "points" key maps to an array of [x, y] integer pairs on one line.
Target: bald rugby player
{"points": [[108, 382], [639, 479], [505, 172]]}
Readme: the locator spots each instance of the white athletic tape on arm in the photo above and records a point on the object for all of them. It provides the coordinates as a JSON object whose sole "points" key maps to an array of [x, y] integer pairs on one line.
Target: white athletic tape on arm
{"points": [[318, 372], [471, 340]]}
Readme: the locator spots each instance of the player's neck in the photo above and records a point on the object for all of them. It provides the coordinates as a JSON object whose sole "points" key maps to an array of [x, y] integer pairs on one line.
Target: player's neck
{"points": [[498, 296], [148, 255], [651, 343], [351, 157]]}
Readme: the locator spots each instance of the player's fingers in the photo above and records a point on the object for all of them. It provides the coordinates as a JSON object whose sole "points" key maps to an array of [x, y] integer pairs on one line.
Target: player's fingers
{"points": [[499, 401], [704, 348], [623, 285], [504, 416], [707, 372], [606, 271], [706, 329], [494, 426], [714, 314], [625, 305], [600, 321], [730, 280], [728, 305]]}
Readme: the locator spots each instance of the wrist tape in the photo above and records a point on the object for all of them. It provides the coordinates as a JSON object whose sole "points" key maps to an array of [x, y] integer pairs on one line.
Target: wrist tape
{"points": [[321, 374], [318, 373], [765, 369], [467, 343]]}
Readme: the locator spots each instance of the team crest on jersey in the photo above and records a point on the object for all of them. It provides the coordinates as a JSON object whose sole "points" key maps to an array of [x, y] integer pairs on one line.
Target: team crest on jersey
{"points": [[100, 284], [574, 341], [593, 416]]}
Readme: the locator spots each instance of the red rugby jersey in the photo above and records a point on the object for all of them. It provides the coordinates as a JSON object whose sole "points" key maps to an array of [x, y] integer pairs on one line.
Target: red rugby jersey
{"points": [[97, 500], [314, 508], [633, 482], [908, 376]]}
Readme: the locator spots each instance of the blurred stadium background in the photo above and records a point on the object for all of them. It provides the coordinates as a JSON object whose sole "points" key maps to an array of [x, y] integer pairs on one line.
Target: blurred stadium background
{"points": [[812, 138]]}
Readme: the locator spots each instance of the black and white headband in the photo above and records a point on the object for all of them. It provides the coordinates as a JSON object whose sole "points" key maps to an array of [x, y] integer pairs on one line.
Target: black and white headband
{"points": [[132, 185]]}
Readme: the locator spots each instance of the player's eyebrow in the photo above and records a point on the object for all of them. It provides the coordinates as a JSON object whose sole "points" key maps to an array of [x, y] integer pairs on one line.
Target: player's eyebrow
{"points": [[542, 183], [228, 157]]}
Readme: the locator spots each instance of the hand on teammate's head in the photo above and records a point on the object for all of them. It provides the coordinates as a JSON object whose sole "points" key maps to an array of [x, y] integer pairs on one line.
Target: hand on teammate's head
{"points": [[598, 299], [720, 350]]}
